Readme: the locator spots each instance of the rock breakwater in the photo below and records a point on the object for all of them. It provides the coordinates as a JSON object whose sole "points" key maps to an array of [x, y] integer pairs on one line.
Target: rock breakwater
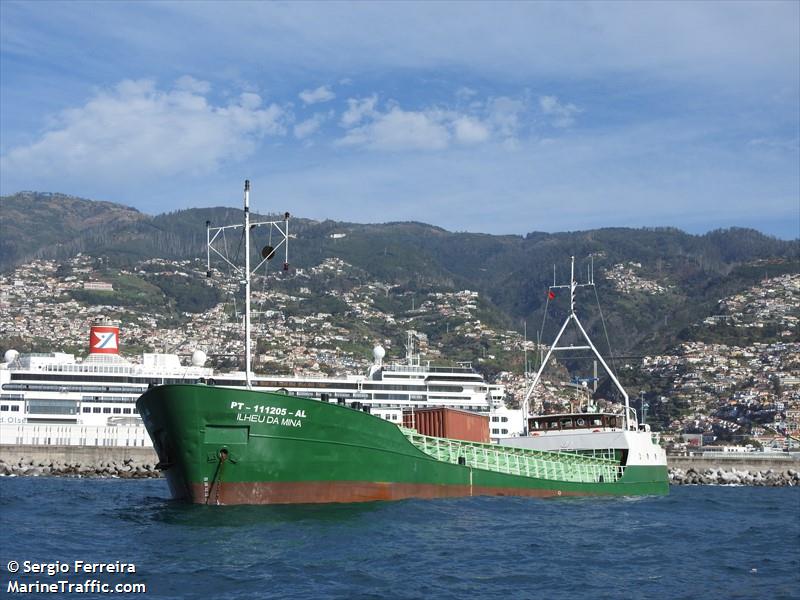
{"points": [[716, 476], [143, 465], [128, 468]]}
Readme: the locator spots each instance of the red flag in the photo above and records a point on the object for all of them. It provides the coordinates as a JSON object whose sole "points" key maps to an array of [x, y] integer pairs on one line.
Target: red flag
{"points": [[551, 295]]}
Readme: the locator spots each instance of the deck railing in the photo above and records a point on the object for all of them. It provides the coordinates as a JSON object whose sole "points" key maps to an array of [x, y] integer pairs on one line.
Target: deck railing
{"points": [[539, 464]]}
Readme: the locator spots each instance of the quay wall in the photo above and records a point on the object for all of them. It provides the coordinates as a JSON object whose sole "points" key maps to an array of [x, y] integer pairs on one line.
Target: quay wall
{"points": [[740, 463], [86, 455]]}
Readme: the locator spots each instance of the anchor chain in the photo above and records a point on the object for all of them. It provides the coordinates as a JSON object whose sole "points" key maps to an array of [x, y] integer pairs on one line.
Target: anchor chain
{"points": [[217, 481]]}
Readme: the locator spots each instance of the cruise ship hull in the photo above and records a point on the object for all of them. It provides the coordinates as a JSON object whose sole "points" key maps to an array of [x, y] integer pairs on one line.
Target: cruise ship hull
{"points": [[225, 446]]}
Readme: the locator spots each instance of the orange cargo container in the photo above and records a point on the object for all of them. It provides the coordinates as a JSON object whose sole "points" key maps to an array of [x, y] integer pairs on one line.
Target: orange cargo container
{"points": [[448, 423]]}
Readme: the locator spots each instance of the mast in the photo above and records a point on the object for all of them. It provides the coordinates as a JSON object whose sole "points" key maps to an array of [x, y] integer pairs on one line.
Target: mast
{"points": [[216, 235], [573, 317], [247, 283]]}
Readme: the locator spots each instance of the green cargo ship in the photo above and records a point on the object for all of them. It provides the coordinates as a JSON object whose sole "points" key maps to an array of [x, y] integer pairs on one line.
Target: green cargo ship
{"points": [[231, 446], [221, 445]]}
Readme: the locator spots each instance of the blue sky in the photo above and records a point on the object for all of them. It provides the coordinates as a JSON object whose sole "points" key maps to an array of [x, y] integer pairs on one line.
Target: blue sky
{"points": [[492, 117]]}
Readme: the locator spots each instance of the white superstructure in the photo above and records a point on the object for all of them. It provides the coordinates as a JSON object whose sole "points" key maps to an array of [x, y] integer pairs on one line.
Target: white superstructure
{"points": [[99, 391], [608, 434], [55, 398]]}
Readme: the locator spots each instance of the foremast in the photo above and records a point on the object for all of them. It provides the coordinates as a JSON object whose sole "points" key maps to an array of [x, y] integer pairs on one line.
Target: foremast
{"points": [[268, 252], [573, 317]]}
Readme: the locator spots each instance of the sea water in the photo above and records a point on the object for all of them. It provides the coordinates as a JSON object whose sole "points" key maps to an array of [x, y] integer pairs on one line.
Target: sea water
{"points": [[697, 543]]}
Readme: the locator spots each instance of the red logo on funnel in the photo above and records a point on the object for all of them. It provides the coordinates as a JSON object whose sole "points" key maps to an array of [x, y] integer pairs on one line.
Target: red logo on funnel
{"points": [[104, 340]]}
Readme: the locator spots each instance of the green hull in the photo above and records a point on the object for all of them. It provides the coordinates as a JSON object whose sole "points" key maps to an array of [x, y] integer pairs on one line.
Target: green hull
{"points": [[225, 446]]}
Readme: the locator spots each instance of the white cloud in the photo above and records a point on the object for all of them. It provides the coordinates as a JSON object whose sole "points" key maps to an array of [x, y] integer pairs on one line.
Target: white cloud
{"points": [[773, 143], [310, 126], [464, 93], [504, 115], [399, 130], [322, 94], [136, 129], [358, 109], [562, 115], [428, 128], [470, 131], [190, 84]]}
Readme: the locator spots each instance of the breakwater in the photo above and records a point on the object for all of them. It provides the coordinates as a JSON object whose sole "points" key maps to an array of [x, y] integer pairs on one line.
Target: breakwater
{"points": [[718, 476], [79, 461], [769, 470]]}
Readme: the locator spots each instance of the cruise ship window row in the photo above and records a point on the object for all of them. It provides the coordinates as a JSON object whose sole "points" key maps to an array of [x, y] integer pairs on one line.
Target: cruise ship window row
{"points": [[385, 405], [51, 407], [49, 387], [96, 378], [126, 399], [293, 384], [95, 368], [393, 387], [109, 410]]}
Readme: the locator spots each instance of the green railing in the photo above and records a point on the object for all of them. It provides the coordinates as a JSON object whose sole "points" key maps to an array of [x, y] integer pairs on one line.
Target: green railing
{"points": [[556, 466], [606, 453]]}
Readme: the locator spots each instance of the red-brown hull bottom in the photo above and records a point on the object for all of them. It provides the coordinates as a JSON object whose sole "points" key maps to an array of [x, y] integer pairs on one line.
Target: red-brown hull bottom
{"points": [[347, 491]]}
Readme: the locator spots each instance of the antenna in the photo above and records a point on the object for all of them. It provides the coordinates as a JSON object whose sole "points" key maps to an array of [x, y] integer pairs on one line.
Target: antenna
{"points": [[525, 348], [214, 234]]}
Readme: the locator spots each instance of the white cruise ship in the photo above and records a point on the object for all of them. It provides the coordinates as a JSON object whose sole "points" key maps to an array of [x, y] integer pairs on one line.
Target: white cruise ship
{"points": [[56, 399]]}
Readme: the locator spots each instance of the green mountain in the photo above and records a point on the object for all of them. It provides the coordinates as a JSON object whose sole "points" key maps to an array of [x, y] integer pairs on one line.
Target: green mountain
{"points": [[512, 273]]}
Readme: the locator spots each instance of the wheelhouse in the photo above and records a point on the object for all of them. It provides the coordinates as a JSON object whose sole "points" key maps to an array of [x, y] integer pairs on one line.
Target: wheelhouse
{"points": [[570, 422]]}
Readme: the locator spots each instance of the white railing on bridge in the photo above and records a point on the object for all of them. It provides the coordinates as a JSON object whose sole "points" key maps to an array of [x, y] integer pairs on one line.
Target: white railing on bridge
{"points": [[33, 434]]}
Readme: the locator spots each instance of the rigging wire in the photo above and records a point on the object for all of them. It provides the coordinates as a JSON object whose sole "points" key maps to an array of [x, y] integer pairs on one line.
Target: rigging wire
{"points": [[260, 320], [236, 261], [605, 331], [541, 331]]}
